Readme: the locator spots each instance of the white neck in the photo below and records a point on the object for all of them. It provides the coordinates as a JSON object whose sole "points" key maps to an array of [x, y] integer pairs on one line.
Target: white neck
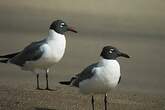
{"points": [[56, 43], [53, 35], [106, 62]]}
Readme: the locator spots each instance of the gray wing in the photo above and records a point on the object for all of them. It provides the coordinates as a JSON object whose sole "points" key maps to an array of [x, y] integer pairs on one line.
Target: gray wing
{"points": [[87, 73], [31, 53]]}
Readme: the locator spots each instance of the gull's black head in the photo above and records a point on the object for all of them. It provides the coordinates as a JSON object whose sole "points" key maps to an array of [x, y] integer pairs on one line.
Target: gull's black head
{"points": [[110, 52], [61, 27]]}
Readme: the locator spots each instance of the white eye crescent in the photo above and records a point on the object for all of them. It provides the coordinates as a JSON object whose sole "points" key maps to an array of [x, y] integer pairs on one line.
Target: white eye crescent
{"points": [[110, 51], [62, 25]]}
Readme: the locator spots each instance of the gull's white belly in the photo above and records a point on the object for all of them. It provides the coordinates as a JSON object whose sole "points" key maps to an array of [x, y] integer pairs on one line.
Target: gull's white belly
{"points": [[98, 85]]}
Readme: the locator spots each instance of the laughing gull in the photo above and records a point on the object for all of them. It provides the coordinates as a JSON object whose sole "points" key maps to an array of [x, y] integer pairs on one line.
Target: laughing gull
{"points": [[100, 77], [41, 55]]}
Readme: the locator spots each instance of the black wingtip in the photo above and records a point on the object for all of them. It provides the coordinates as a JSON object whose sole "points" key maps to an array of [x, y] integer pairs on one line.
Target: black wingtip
{"points": [[65, 82], [4, 61], [9, 55]]}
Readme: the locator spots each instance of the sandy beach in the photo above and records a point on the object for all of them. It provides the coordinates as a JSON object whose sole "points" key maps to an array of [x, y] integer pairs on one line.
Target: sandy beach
{"points": [[64, 98], [136, 28]]}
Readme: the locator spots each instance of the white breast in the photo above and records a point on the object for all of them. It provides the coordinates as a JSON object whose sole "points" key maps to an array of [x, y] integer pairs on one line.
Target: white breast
{"points": [[109, 73], [106, 77], [55, 48]]}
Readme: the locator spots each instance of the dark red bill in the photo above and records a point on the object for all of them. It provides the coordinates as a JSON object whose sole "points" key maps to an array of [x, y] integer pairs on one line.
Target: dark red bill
{"points": [[72, 30], [124, 55]]}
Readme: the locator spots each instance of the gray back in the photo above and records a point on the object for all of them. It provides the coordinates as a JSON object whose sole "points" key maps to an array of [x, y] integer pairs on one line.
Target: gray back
{"points": [[87, 73], [30, 53]]}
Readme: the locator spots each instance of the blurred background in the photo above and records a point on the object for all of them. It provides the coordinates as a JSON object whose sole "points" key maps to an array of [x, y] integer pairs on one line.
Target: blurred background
{"points": [[136, 27]]}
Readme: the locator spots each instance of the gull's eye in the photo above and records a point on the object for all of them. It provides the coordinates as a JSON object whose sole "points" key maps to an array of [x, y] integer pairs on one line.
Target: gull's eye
{"points": [[62, 25]]}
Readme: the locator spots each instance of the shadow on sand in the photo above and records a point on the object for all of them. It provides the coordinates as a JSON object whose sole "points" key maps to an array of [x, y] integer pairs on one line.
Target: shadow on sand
{"points": [[39, 108]]}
